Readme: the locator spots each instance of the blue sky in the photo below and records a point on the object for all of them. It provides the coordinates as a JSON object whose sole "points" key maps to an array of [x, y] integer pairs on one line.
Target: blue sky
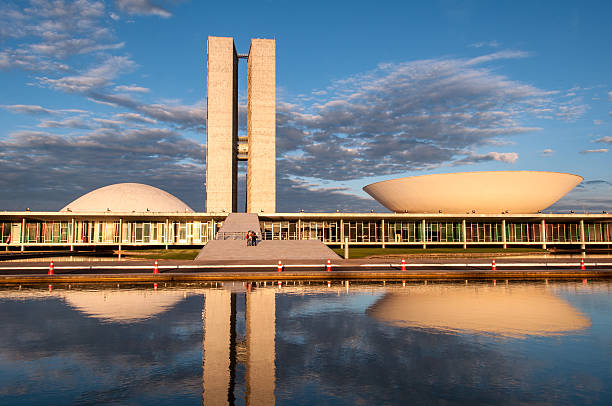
{"points": [[100, 92]]}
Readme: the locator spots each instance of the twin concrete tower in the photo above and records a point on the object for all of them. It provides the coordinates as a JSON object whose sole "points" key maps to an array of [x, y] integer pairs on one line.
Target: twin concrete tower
{"points": [[224, 148]]}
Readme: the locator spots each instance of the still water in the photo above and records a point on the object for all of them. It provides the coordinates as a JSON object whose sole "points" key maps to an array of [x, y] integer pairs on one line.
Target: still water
{"points": [[308, 343]]}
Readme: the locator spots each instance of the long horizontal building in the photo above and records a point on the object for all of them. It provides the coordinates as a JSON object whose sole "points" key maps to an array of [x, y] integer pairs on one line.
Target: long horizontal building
{"points": [[34, 230]]}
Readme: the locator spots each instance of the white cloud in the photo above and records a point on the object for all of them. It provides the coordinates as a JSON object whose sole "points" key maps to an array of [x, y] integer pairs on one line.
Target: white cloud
{"points": [[496, 56], [547, 152], [186, 116], [597, 122], [73, 122], [95, 78], [607, 139], [492, 44], [27, 109], [108, 123], [41, 33], [37, 110], [506, 157], [594, 151], [135, 117], [132, 88], [143, 7]]}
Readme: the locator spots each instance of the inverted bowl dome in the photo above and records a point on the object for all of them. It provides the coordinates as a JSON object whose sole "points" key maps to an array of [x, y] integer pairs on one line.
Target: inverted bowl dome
{"points": [[482, 192], [126, 198]]}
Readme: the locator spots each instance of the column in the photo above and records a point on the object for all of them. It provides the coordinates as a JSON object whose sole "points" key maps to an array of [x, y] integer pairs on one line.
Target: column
{"points": [[504, 233], [71, 235], [219, 319], [464, 232], [423, 234], [23, 234], [346, 248], [543, 233], [582, 236], [261, 351], [382, 233], [166, 234], [121, 235]]}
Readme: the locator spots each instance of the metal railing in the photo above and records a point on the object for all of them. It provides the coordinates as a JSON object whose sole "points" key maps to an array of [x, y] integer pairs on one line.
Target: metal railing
{"points": [[230, 235]]}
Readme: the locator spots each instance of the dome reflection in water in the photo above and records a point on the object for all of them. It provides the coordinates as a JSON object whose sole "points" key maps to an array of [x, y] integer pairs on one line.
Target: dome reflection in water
{"points": [[308, 343], [506, 311]]}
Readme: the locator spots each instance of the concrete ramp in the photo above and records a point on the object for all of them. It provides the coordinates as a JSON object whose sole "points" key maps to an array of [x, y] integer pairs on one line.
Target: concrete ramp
{"points": [[230, 244], [236, 225], [219, 250]]}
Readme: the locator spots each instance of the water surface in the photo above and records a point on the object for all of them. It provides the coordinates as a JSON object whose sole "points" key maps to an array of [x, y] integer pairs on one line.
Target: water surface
{"points": [[308, 343]]}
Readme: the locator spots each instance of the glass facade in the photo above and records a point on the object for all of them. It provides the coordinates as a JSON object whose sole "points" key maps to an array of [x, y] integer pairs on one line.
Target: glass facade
{"points": [[5, 232], [563, 232], [599, 231], [333, 231], [399, 231], [92, 232]]}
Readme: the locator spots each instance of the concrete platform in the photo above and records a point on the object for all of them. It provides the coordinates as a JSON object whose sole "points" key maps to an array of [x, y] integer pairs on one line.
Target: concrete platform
{"points": [[228, 250]]}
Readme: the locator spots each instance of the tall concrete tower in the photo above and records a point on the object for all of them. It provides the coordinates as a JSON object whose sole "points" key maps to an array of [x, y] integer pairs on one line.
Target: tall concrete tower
{"points": [[261, 127], [224, 147], [221, 125]]}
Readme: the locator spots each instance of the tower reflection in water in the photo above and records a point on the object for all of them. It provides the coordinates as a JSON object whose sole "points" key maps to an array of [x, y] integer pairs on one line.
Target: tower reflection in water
{"points": [[220, 346]]}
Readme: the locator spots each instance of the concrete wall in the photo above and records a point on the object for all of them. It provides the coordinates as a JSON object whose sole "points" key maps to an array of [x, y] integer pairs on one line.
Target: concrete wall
{"points": [[261, 127], [221, 125]]}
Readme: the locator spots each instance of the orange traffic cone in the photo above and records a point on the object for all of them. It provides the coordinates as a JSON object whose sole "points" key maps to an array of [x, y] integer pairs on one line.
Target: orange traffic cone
{"points": [[156, 267], [493, 266], [403, 264], [51, 269], [280, 267], [582, 264], [328, 267]]}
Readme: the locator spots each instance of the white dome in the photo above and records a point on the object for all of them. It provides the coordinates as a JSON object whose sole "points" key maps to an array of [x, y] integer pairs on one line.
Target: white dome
{"points": [[483, 192], [127, 198]]}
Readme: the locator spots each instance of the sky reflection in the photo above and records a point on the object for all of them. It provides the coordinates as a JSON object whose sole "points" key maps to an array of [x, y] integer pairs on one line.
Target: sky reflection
{"points": [[360, 344]]}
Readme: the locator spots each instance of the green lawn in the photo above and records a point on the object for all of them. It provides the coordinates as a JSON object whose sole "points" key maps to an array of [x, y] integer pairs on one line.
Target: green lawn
{"points": [[363, 252], [189, 254]]}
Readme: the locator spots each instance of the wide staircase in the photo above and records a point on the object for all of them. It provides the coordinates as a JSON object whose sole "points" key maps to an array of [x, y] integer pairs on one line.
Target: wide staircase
{"points": [[230, 244]]}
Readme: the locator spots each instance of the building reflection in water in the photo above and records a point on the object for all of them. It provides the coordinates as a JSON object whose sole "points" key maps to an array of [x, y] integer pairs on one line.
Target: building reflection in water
{"points": [[504, 310], [497, 310], [221, 352]]}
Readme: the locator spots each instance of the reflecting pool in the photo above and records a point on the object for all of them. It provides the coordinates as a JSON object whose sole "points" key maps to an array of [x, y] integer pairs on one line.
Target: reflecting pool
{"points": [[358, 342]]}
